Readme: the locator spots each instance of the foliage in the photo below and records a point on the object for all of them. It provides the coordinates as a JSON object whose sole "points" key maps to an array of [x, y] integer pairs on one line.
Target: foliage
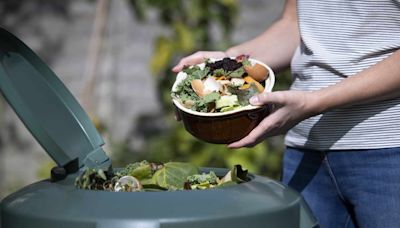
{"points": [[191, 26], [145, 176], [179, 145], [173, 175]]}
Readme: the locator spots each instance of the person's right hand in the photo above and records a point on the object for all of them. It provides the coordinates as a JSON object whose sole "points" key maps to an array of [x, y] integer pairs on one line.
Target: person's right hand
{"points": [[197, 58]]}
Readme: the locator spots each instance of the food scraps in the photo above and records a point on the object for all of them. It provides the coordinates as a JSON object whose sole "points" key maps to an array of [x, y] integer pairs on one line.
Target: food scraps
{"points": [[220, 86], [147, 176]]}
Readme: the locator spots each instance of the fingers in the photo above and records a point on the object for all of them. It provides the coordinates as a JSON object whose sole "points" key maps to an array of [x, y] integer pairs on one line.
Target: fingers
{"points": [[266, 128], [259, 132], [197, 58], [267, 98], [252, 139]]}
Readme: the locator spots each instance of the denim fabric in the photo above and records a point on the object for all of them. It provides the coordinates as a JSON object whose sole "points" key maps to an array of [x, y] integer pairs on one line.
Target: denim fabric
{"points": [[353, 188]]}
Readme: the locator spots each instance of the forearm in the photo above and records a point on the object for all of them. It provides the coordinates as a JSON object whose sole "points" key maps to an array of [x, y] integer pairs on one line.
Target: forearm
{"points": [[379, 82], [277, 44]]}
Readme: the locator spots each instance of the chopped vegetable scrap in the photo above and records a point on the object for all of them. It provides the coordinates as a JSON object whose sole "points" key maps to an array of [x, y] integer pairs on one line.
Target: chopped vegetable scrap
{"points": [[146, 176], [220, 86]]}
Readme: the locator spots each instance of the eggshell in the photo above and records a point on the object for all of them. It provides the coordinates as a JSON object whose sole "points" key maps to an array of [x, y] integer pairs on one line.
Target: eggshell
{"points": [[269, 84], [198, 87], [257, 71], [211, 85]]}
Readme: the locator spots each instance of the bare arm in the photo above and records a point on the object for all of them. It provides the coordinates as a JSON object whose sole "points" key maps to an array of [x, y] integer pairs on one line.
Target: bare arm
{"points": [[377, 83], [275, 46]]}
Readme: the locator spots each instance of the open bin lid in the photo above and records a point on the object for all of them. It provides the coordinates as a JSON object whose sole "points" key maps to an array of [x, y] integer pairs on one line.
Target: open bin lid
{"points": [[46, 106]]}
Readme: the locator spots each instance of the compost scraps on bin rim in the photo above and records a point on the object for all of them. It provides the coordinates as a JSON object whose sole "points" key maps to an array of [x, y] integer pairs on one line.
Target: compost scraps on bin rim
{"points": [[147, 176], [220, 86]]}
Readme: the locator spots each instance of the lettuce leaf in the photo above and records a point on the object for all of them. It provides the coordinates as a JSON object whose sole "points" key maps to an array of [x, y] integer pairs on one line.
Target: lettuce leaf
{"points": [[140, 170], [197, 72], [244, 94], [212, 97], [173, 175], [238, 73]]}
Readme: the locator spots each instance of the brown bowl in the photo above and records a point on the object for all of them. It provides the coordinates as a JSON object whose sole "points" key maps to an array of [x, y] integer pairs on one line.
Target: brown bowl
{"points": [[224, 127]]}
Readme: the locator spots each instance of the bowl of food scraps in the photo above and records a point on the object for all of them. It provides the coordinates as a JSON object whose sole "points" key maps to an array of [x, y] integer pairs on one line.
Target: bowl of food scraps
{"points": [[212, 98]]}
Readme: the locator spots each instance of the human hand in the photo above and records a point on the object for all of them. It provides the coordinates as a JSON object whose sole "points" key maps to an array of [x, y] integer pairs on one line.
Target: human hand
{"points": [[197, 58], [192, 59], [290, 107]]}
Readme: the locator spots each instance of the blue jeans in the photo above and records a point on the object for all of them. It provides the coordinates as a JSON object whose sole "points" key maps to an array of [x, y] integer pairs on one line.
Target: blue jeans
{"points": [[353, 188]]}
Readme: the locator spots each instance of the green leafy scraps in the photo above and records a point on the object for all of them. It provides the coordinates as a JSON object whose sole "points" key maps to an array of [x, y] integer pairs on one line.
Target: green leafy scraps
{"points": [[197, 72], [212, 97], [173, 175], [184, 92], [244, 94], [209, 180], [238, 73], [157, 177]]}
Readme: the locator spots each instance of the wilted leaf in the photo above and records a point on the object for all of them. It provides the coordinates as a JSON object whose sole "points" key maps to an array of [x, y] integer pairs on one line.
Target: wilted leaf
{"points": [[211, 97], [173, 175], [236, 175], [244, 94], [142, 172], [238, 73]]}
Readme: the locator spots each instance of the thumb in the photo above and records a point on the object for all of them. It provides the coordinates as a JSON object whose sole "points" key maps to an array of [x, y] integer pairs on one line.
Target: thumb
{"points": [[265, 98]]}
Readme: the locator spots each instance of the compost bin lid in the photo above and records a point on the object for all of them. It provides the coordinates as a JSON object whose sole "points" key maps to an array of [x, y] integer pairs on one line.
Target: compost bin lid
{"points": [[46, 106]]}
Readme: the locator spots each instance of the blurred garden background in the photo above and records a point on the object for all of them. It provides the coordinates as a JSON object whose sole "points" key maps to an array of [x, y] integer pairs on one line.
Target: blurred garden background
{"points": [[115, 57]]}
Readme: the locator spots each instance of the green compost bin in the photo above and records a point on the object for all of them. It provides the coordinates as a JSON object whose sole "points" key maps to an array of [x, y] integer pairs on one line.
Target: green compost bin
{"points": [[63, 129]]}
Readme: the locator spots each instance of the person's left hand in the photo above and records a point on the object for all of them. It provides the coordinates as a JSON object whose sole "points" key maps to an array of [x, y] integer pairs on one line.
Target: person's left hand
{"points": [[290, 107]]}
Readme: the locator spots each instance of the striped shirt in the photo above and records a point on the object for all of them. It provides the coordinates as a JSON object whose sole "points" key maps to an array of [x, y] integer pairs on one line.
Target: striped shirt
{"points": [[338, 39]]}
